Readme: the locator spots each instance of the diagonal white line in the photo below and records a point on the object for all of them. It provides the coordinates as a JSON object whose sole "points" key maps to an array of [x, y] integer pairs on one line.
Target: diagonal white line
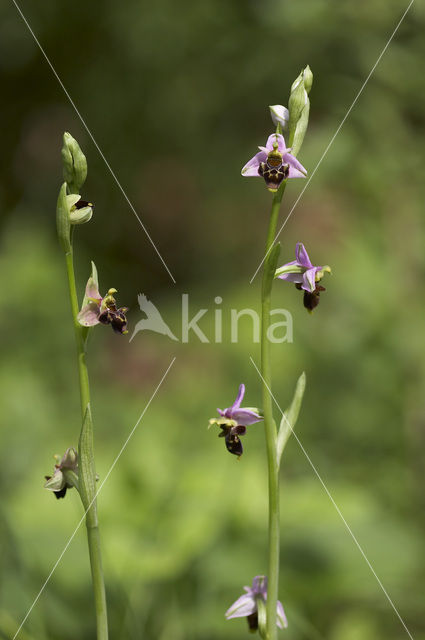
{"points": [[93, 140], [319, 477], [334, 136], [97, 493]]}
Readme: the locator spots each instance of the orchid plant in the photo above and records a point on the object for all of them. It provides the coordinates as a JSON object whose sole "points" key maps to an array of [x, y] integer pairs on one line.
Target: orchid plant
{"points": [[77, 469], [275, 163]]}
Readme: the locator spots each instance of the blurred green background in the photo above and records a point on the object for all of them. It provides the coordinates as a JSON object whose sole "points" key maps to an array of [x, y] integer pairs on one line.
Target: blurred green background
{"points": [[176, 95]]}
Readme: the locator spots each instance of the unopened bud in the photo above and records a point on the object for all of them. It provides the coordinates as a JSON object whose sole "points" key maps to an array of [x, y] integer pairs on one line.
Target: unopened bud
{"points": [[308, 78], [74, 164], [280, 115], [299, 109]]}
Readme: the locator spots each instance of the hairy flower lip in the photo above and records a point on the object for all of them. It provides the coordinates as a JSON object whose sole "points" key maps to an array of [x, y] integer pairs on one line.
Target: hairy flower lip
{"points": [[233, 422], [102, 310], [302, 271], [253, 166]]}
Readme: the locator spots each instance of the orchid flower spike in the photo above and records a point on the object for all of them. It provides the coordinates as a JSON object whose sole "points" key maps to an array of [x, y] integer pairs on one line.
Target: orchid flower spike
{"points": [[233, 422], [304, 275], [274, 163], [248, 605], [65, 475], [97, 309]]}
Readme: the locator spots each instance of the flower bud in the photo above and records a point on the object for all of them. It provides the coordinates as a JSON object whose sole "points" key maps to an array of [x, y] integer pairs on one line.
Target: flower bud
{"points": [[308, 78], [69, 459], [80, 211], [297, 102], [280, 115], [74, 164], [299, 109]]}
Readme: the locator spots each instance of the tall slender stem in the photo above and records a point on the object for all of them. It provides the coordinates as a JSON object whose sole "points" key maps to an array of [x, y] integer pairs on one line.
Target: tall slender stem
{"points": [[91, 515], [270, 430]]}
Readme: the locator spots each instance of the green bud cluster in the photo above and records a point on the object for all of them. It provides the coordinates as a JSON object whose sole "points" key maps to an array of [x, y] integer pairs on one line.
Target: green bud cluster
{"points": [[74, 164], [299, 109]]}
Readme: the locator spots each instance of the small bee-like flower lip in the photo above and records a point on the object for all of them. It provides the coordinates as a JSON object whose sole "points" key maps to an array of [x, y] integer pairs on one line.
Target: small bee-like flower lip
{"points": [[304, 275], [233, 422], [275, 147], [102, 310]]}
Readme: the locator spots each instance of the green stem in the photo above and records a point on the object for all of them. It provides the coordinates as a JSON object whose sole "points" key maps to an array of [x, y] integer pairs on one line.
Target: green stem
{"points": [[91, 515], [271, 433]]}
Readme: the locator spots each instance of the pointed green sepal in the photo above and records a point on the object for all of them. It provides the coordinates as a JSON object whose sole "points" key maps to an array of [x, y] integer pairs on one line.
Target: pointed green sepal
{"points": [[56, 482], [290, 417], [63, 224], [74, 164], [288, 268], [93, 282], [270, 269]]}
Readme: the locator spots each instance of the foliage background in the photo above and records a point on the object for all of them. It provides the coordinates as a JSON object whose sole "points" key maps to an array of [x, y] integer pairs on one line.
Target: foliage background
{"points": [[176, 95]]}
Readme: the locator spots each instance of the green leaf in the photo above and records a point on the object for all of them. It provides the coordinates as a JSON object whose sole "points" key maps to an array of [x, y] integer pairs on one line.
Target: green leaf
{"points": [[63, 224], [86, 468], [290, 417], [269, 270]]}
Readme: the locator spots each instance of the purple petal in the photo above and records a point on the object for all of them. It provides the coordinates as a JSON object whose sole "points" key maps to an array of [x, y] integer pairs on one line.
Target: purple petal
{"points": [[271, 140], [259, 586], [91, 290], [239, 397], [281, 620], [292, 277], [294, 173], [250, 170], [245, 416], [89, 315], [222, 413], [243, 606], [288, 158], [302, 256], [309, 280]]}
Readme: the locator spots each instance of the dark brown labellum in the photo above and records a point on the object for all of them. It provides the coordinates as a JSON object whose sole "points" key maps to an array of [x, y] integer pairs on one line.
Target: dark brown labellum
{"points": [[115, 317], [273, 170], [311, 300], [253, 621], [82, 203], [234, 444], [231, 436]]}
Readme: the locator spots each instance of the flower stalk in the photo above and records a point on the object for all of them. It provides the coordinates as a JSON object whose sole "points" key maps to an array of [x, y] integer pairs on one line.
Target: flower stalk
{"points": [[269, 423], [86, 457], [75, 171]]}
